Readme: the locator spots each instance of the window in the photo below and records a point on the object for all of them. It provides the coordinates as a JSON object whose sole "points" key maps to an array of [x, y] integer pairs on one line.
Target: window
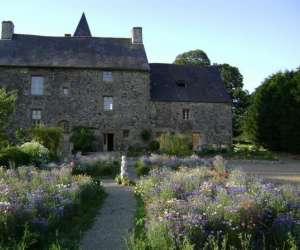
{"points": [[108, 103], [125, 133], [186, 114], [107, 76], [181, 83], [66, 91], [36, 116], [37, 85]]}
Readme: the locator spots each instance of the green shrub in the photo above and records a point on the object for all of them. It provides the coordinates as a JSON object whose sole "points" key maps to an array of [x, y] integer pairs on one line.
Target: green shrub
{"points": [[37, 152], [13, 156], [83, 139], [134, 151], [178, 144], [141, 169], [154, 146], [49, 137], [146, 135], [97, 169]]}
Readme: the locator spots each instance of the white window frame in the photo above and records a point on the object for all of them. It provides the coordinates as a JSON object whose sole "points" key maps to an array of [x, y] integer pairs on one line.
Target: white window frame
{"points": [[66, 91], [108, 103], [186, 114], [37, 85], [107, 76], [36, 115]]}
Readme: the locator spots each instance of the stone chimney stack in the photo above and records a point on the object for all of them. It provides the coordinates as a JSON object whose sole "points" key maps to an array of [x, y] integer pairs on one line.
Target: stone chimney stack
{"points": [[137, 35], [7, 30]]}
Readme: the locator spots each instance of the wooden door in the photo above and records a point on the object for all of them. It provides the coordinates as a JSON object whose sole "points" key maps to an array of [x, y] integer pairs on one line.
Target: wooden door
{"points": [[196, 138]]}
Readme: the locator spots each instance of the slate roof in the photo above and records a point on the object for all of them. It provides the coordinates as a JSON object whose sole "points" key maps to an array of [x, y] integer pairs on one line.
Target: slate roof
{"points": [[75, 52], [203, 83], [83, 28]]}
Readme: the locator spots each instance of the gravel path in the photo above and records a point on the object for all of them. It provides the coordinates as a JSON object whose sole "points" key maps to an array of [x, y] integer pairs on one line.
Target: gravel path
{"points": [[114, 221]]}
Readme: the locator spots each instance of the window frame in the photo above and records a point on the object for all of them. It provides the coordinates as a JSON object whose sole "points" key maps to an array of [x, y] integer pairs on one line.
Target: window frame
{"points": [[110, 106], [68, 91], [186, 114], [107, 76], [35, 88], [34, 116], [126, 133]]}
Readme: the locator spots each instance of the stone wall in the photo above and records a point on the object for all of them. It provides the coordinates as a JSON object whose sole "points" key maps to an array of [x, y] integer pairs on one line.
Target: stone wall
{"points": [[212, 120], [84, 104]]}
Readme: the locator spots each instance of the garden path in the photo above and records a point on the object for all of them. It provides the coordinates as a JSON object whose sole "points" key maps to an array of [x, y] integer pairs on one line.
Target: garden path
{"points": [[114, 220]]}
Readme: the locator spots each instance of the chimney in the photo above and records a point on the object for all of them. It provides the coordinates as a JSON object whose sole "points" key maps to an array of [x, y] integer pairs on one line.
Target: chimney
{"points": [[7, 30], [137, 35], [67, 35]]}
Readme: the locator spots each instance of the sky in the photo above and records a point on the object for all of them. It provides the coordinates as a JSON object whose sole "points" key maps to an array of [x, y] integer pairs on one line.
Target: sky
{"points": [[260, 37]]}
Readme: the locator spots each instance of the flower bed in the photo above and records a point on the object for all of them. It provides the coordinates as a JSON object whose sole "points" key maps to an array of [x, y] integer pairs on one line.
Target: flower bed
{"points": [[41, 201], [174, 161], [201, 208]]}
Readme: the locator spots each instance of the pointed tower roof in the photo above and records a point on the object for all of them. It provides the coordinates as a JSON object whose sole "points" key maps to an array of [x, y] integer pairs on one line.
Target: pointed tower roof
{"points": [[83, 27]]}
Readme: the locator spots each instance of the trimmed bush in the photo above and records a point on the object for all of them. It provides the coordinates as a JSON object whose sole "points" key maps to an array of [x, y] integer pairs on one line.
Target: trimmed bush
{"points": [[141, 169], [146, 135], [178, 144], [13, 156], [37, 152], [49, 137], [154, 146], [97, 168], [83, 139]]}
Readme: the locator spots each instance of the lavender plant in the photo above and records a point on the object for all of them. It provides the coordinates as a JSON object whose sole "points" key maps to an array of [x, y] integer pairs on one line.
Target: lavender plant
{"points": [[211, 210]]}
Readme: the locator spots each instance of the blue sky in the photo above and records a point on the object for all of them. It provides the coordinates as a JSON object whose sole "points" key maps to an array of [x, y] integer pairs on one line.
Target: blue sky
{"points": [[260, 37]]}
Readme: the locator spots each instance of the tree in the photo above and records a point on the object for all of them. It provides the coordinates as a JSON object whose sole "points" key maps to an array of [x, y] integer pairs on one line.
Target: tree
{"points": [[273, 118], [7, 107], [193, 57], [233, 81]]}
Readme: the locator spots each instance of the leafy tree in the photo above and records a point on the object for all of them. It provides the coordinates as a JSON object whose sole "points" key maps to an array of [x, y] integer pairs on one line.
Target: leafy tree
{"points": [[273, 118], [193, 57], [82, 139], [233, 81], [7, 107]]}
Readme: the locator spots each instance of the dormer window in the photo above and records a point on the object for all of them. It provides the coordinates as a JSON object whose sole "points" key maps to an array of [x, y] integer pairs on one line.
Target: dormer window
{"points": [[181, 83], [107, 76]]}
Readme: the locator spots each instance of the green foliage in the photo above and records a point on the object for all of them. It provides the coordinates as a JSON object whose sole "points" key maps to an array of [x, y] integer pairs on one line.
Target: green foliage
{"points": [[134, 151], [178, 144], [97, 168], [50, 137], [141, 169], [123, 180], [233, 81], [146, 135], [154, 146], [13, 157], [197, 56], [7, 106], [82, 139], [273, 118], [37, 152], [64, 202]]}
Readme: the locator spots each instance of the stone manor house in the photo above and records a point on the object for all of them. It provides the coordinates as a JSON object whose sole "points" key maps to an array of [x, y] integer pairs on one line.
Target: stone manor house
{"points": [[107, 85]]}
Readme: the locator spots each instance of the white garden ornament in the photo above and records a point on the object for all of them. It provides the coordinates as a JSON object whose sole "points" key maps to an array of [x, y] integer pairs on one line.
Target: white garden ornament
{"points": [[124, 172]]}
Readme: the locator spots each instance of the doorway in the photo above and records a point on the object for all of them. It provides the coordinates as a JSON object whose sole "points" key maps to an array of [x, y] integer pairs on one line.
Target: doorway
{"points": [[109, 142], [197, 141]]}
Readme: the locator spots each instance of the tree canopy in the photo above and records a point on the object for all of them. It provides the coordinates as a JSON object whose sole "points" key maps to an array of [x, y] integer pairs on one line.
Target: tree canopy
{"points": [[233, 81], [7, 106], [193, 57], [273, 118]]}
